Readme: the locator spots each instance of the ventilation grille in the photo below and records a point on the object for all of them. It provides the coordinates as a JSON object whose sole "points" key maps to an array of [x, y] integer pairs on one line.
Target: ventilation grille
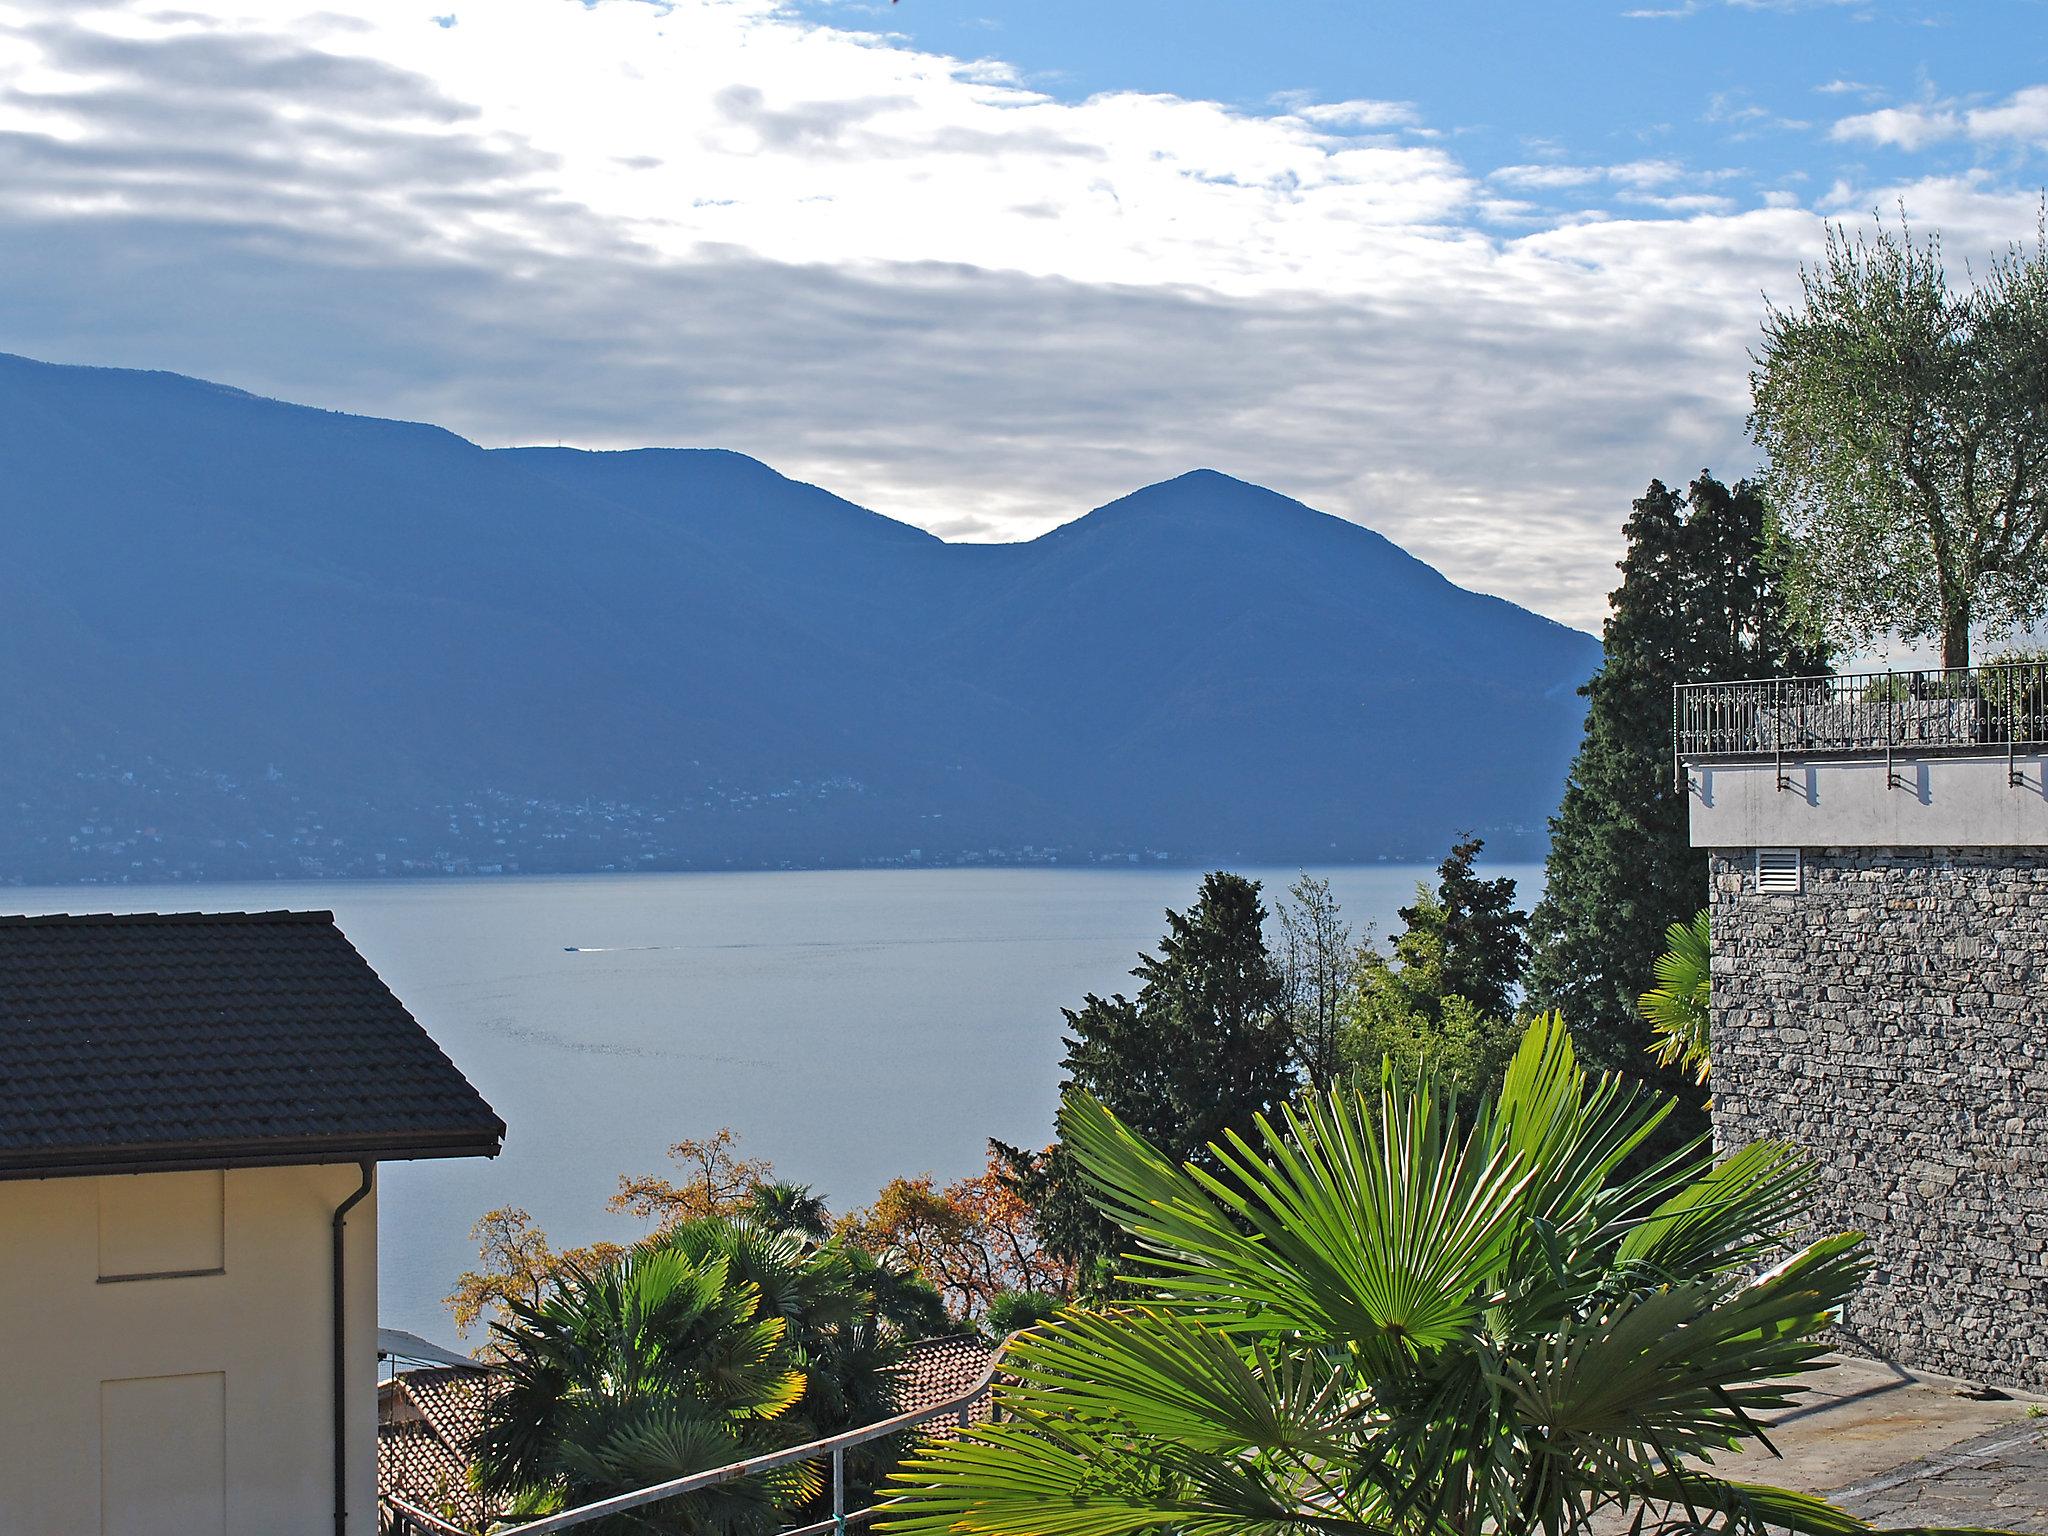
{"points": [[1777, 869]]}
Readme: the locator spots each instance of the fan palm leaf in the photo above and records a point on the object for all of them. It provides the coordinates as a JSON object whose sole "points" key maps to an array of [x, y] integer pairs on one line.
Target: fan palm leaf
{"points": [[1677, 1007], [1373, 1320]]}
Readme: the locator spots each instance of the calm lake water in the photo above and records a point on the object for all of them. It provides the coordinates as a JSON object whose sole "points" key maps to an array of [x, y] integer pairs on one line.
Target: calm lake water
{"points": [[850, 1025]]}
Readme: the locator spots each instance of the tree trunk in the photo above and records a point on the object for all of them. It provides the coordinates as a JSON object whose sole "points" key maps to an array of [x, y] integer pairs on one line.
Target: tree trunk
{"points": [[1955, 636]]}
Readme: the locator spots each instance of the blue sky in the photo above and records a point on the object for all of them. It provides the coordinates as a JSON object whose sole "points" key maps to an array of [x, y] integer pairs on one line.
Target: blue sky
{"points": [[1468, 273], [1752, 89]]}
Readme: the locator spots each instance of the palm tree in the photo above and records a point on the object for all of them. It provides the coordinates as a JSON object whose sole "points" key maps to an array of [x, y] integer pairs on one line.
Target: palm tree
{"points": [[716, 1340], [1373, 1320], [847, 1315], [652, 1367], [1677, 1007], [786, 1207]]}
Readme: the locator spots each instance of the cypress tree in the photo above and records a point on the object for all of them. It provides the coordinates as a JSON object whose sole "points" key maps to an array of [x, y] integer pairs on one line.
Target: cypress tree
{"points": [[1699, 600]]}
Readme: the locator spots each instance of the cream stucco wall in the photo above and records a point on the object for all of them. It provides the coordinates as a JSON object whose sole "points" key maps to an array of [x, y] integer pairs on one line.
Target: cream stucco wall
{"points": [[261, 1325]]}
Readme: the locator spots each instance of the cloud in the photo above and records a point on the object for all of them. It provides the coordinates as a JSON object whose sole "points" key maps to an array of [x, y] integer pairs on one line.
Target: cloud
{"points": [[1685, 8], [1355, 114], [1907, 128], [904, 276], [1635, 180], [2024, 116], [2021, 118], [1746, 118]]}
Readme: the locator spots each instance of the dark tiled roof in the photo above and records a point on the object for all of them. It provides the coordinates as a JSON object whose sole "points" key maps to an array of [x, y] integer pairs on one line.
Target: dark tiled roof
{"points": [[207, 1039]]}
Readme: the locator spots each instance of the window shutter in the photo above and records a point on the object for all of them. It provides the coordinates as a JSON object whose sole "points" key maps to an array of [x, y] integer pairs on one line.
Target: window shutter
{"points": [[1778, 870]]}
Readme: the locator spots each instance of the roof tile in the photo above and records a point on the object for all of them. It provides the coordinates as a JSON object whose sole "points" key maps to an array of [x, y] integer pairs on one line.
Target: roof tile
{"points": [[147, 1037]]}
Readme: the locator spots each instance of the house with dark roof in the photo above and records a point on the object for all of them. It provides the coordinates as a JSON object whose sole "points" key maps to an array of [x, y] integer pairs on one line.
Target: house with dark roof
{"points": [[192, 1108]]}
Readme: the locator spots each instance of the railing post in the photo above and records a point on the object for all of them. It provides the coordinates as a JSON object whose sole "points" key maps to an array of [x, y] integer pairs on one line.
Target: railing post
{"points": [[1778, 728], [838, 1491], [2013, 778], [1891, 730]]}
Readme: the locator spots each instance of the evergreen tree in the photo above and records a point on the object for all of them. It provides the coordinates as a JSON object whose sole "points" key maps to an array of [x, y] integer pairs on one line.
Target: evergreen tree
{"points": [[1472, 928], [1203, 1048], [1700, 599], [1443, 1000]]}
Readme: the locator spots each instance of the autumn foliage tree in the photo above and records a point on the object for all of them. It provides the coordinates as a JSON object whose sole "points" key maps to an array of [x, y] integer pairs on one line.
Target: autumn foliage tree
{"points": [[974, 1240], [517, 1263], [715, 1181]]}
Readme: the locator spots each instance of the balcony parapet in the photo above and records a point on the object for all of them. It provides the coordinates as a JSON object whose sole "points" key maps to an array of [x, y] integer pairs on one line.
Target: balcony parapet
{"points": [[1938, 756]]}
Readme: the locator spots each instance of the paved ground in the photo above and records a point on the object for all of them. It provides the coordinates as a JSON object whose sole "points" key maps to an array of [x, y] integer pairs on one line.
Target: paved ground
{"points": [[1902, 1449], [1999, 1479]]}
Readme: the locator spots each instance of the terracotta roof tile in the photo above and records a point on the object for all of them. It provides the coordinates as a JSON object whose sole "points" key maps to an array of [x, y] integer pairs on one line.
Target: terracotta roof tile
{"points": [[936, 1370]]}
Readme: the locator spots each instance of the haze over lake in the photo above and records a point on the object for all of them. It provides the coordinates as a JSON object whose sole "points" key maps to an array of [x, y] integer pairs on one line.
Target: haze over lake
{"points": [[850, 1025]]}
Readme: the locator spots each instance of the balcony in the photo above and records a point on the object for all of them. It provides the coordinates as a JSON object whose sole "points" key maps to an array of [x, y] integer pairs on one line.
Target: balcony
{"points": [[1915, 758]]}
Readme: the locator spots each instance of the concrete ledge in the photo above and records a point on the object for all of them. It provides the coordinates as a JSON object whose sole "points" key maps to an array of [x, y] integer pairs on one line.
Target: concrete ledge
{"points": [[1930, 801]]}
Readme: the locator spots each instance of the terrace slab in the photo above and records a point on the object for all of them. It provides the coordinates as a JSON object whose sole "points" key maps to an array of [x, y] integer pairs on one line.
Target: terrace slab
{"points": [[1903, 1448]]}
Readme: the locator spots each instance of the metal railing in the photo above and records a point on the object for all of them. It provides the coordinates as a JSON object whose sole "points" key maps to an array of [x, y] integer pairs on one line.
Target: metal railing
{"points": [[396, 1517], [2000, 707], [832, 1448]]}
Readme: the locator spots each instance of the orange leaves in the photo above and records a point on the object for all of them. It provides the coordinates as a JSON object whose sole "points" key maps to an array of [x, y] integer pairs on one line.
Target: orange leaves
{"points": [[715, 1182], [973, 1239]]}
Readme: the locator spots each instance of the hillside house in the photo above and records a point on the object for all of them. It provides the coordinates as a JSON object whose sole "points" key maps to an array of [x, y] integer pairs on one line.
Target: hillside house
{"points": [[1878, 848], [192, 1114]]}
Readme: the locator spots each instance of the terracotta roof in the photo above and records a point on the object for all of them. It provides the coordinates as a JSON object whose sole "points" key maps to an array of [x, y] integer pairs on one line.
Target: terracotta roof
{"points": [[425, 1421], [210, 1040], [936, 1370]]}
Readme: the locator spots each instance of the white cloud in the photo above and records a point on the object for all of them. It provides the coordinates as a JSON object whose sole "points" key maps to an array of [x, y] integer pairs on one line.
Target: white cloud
{"points": [[2024, 115], [2021, 117], [1907, 128], [908, 277], [1633, 176], [1357, 114]]}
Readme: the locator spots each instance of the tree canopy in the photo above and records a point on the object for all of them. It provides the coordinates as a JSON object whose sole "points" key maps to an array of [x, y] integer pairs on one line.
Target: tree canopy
{"points": [[1700, 598], [1204, 1048], [1442, 1003], [1905, 420]]}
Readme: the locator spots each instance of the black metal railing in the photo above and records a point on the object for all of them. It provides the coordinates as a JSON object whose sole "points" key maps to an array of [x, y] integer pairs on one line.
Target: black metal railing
{"points": [[2000, 707]]}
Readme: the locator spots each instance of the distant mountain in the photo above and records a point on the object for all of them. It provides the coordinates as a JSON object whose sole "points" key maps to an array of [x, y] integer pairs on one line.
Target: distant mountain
{"points": [[245, 638]]}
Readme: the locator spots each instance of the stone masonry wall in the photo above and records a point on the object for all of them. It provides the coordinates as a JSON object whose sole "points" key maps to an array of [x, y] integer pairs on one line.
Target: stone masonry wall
{"points": [[1892, 1019]]}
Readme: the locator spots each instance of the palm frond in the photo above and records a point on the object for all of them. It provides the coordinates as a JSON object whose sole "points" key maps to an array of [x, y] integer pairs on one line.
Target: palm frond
{"points": [[1678, 1006], [1374, 1228]]}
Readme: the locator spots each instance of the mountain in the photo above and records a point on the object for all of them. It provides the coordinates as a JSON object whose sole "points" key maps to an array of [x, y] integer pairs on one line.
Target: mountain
{"points": [[247, 638]]}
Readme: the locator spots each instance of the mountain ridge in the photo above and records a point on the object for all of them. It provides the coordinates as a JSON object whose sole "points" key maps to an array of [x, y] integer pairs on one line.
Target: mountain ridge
{"points": [[405, 653]]}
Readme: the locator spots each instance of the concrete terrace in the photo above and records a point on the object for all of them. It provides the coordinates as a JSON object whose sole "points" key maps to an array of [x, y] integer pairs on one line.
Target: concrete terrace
{"points": [[1908, 1448]]}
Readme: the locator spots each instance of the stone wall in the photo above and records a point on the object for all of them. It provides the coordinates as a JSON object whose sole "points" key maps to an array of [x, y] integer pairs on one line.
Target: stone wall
{"points": [[1892, 1019]]}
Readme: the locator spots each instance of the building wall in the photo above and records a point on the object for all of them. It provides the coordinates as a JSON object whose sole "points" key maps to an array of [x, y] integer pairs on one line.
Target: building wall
{"points": [[1892, 1018], [196, 1400], [1865, 802]]}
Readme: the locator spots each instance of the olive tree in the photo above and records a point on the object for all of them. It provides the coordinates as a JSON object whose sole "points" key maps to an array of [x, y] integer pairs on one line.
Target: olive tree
{"points": [[1905, 419]]}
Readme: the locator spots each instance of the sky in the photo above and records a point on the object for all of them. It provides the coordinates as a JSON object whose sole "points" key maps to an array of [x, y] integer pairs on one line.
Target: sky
{"points": [[1468, 273]]}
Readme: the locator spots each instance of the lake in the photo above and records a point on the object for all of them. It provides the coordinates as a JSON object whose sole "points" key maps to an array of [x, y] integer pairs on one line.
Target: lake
{"points": [[850, 1025]]}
